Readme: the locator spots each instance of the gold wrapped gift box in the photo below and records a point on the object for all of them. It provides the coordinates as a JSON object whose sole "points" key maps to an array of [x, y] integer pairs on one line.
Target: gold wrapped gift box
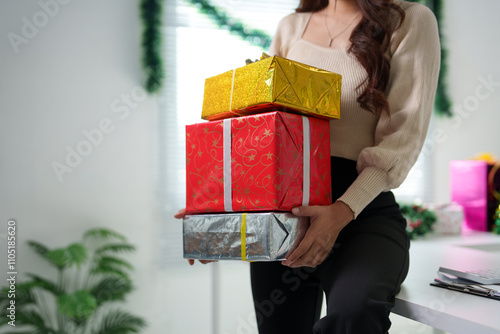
{"points": [[273, 82]]}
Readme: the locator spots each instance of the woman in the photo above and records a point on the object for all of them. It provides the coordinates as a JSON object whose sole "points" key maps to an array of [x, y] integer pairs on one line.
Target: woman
{"points": [[355, 250]]}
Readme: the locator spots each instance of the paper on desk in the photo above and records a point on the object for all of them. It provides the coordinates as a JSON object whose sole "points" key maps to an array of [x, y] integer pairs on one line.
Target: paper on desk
{"points": [[458, 284]]}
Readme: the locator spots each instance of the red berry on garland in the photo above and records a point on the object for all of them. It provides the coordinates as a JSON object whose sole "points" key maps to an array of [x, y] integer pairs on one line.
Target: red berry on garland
{"points": [[415, 223]]}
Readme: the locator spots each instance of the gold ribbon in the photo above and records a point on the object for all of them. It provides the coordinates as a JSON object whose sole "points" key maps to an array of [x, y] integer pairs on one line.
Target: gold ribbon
{"points": [[491, 179], [243, 236]]}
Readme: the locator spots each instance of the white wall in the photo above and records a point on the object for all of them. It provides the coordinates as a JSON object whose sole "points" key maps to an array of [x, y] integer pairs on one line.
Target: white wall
{"points": [[65, 79]]}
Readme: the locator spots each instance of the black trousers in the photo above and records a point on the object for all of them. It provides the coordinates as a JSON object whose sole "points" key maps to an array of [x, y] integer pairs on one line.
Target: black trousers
{"points": [[360, 277]]}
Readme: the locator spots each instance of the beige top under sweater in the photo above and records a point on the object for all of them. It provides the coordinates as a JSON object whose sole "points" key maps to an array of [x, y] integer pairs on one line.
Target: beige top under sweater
{"points": [[385, 148]]}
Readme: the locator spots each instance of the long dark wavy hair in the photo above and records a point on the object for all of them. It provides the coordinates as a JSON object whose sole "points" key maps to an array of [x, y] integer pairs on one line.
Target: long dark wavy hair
{"points": [[369, 41]]}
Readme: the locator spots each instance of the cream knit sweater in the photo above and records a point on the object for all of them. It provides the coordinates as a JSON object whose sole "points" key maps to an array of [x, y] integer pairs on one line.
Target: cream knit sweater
{"points": [[385, 148]]}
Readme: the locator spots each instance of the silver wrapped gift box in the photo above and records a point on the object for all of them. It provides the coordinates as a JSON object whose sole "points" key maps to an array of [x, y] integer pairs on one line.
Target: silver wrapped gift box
{"points": [[242, 236]]}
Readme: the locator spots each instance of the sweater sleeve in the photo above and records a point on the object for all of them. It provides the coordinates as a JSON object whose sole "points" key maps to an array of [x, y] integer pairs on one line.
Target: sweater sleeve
{"points": [[411, 90]]}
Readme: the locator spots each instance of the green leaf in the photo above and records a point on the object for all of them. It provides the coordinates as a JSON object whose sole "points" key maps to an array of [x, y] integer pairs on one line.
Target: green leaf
{"points": [[38, 248], [4, 299], [40, 282], [109, 270], [115, 262], [59, 257], [23, 294], [111, 289], [24, 291], [36, 331], [73, 254], [110, 265], [103, 233], [115, 248], [44, 330], [33, 318], [4, 320], [120, 322], [77, 254], [80, 304]]}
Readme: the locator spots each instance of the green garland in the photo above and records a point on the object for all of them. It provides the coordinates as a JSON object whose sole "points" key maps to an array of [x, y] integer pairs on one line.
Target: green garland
{"points": [[152, 60], [442, 102], [223, 20], [420, 220], [151, 13]]}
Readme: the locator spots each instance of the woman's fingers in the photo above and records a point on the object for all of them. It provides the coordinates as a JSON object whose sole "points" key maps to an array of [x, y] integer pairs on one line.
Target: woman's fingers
{"points": [[191, 261], [313, 257], [305, 211], [180, 214], [300, 251]]}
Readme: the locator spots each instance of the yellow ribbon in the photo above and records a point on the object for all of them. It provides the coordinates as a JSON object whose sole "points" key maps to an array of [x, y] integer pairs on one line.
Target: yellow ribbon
{"points": [[243, 236]]}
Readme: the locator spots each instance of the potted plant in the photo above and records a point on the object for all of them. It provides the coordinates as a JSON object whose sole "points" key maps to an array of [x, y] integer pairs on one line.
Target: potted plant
{"points": [[91, 279]]}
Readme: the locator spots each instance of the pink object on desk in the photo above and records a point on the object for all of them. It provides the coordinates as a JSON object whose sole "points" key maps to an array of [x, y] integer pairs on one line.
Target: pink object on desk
{"points": [[468, 184]]}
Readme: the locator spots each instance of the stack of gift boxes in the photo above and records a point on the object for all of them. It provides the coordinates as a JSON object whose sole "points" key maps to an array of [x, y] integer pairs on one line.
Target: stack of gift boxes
{"points": [[264, 150]]}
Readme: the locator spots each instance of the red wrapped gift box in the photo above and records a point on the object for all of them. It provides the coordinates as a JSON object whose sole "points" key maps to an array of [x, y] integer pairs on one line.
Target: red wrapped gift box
{"points": [[265, 159]]}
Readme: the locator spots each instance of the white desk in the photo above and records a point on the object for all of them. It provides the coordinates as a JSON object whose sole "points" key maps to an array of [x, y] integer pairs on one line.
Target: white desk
{"points": [[450, 311]]}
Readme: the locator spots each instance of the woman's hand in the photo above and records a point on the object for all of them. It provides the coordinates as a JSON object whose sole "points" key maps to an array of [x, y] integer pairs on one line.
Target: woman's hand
{"points": [[191, 261], [180, 215], [326, 222]]}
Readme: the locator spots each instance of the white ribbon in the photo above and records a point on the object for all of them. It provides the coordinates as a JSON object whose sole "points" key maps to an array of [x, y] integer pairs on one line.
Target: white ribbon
{"points": [[306, 168], [228, 201]]}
